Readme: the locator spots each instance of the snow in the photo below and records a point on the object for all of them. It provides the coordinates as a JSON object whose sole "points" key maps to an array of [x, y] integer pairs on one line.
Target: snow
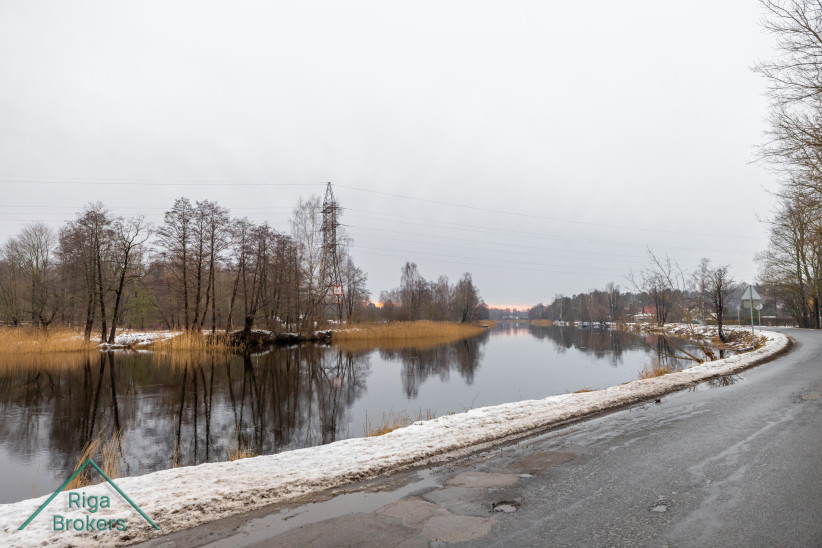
{"points": [[179, 498], [135, 339]]}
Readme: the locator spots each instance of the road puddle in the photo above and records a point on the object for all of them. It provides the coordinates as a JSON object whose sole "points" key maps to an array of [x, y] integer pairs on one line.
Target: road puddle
{"points": [[260, 529]]}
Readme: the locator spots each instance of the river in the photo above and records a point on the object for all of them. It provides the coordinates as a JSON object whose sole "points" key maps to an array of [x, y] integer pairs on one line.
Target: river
{"points": [[186, 409]]}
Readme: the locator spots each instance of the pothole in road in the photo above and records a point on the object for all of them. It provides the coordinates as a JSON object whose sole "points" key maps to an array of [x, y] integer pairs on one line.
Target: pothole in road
{"points": [[506, 506], [813, 394]]}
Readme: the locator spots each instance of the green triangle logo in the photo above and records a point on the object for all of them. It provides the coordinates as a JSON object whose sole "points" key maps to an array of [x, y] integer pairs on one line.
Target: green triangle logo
{"points": [[108, 479]]}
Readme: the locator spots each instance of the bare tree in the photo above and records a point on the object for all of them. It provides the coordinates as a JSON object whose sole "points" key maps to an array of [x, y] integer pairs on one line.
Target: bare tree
{"points": [[129, 235], [240, 245], [175, 237], [216, 235], [719, 288], [355, 292], [36, 244], [306, 221], [466, 299], [11, 281]]}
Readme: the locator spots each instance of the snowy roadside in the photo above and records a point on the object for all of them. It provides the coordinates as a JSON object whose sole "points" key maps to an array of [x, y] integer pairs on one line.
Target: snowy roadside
{"points": [[185, 497]]}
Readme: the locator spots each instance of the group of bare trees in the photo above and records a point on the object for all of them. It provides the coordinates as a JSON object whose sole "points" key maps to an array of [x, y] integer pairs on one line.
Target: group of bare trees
{"points": [[675, 294], [419, 299], [201, 268], [596, 306], [663, 293], [792, 263]]}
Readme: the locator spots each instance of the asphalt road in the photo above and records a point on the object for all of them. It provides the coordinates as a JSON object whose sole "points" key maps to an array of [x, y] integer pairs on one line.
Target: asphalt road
{"points": [[735, 463]]}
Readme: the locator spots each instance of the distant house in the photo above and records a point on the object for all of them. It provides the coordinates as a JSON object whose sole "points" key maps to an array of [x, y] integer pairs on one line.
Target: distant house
{"points": [[648, 313]]}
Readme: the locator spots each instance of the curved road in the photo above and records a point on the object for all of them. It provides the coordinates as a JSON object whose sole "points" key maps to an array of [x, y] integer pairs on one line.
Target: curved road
{"points": [[735, 463]]}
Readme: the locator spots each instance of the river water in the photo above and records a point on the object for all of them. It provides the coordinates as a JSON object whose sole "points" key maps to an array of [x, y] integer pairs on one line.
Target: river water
{"points": [[192, 408]]}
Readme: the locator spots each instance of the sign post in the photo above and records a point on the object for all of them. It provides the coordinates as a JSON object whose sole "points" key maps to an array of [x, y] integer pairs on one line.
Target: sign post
{"points": [[751, 299]]}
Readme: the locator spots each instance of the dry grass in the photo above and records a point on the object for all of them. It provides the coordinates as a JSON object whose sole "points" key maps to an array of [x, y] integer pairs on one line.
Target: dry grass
{"points": [[421, 335], [583, 390], [392, 421], [194, 341], [240, 450], [378, 332], [357, 346], [33, 340], [105, 451], [655, 369], [55, 362], [737, 339], [541, 323]]}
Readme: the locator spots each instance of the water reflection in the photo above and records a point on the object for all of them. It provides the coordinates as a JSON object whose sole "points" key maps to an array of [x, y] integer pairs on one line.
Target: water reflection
{"points": [[181, 411], [418, 364], [610, 344], [186, 409]]}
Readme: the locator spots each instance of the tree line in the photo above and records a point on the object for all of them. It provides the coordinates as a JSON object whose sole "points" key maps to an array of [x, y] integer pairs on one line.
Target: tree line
{"points": [[792, 262], [419, 299], [662, 293], [200, 269]]}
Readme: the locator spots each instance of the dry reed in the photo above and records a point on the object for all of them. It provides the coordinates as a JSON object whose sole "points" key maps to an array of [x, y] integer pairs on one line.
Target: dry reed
{"points": [[55, 362], [362, 346], [104, 449], [655, 369], [240, 450], [392, 421], [33, 340], [541, 323], [193, 341], [423, 329]]}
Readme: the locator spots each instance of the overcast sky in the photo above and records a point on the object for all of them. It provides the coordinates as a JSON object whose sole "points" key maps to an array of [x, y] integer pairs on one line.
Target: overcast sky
{"points": [[572, 135]]}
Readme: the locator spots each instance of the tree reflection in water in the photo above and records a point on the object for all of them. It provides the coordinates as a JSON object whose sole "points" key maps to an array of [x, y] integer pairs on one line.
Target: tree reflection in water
{"points": [[419, 363], [611, 344]]}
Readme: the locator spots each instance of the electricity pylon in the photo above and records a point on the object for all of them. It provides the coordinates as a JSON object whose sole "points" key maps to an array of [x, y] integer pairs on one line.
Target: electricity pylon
{"points": [[330, 279]]}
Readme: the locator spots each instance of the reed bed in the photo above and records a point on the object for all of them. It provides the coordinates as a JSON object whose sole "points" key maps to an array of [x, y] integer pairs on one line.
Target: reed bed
{"points": [[378, 332], [33, 340], [393, 421], [356, 346], [46, 363], [542, 323], [193, 341]]}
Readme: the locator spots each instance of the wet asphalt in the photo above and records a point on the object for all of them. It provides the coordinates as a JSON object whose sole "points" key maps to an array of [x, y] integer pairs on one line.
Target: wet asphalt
{"points": [[737, 462]]}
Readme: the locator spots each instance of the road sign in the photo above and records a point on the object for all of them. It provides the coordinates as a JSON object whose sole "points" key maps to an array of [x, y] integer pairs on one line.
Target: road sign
{"points": [[751, 296], [752, 300], [337, 290]]}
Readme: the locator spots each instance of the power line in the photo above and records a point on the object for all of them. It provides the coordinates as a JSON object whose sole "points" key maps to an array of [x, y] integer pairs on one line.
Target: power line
{"points": [[212, 182], [507, 261], [150, 184], [536, 235], [587, 272], [533, 216], [535, 250]]}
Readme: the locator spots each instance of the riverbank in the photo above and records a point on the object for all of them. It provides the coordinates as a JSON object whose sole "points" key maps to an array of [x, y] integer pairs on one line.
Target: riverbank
{"points": [[399, 335], [183, 497], [422, 329], [27, 340]]}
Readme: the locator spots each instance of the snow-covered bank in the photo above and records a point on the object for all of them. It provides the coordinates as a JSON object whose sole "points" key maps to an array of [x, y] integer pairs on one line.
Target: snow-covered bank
{"points": [[184, 497], [136, 339]]}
